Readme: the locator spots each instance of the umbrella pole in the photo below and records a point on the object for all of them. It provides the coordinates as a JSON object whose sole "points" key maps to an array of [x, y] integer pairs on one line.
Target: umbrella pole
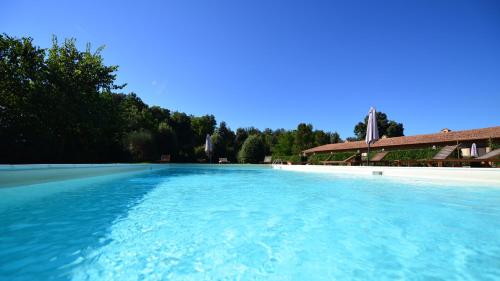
{"points": [[368, 156]]}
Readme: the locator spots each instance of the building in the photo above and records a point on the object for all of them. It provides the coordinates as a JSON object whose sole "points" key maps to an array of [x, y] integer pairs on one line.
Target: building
{"points": [[483, 138]]}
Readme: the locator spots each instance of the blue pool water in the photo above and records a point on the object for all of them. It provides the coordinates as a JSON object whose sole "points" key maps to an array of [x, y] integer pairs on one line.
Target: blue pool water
{"points": [[248, 223]]}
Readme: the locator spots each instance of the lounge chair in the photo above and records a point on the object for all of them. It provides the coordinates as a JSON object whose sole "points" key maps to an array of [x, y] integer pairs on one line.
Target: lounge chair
{"points": [[165, 158], [490, 155], [268, 159], [445, 152], [379, 156], [223, 161], [347, 161]]}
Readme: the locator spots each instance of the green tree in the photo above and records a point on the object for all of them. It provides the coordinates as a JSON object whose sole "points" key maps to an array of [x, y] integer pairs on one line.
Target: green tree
{"points": [[202, 126], [252, 151], [269, 139], [224, 142], [167, 140], [63, 105], [284, 145], [304, 138], [23, 76], [385, 126], [335, 138], [321, 138], [140, 145], [181, 124], [240, 137]]}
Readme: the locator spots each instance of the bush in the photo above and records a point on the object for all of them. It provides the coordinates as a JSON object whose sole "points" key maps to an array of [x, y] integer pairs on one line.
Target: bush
{"points": [[407, 154], [411, 154], [252, 150], [199, 153], [494, 145], [140, 145]]}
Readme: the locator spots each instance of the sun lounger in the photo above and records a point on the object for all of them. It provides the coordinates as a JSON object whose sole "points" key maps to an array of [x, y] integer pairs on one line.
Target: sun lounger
{"points": [[490, 155], [223, 161], [379, 156], [165, 158], [445, 152], [268, 159], [347, 161]]}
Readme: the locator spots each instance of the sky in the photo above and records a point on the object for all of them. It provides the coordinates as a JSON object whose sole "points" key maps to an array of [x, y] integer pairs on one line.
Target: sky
{"points": [[427, 64]]}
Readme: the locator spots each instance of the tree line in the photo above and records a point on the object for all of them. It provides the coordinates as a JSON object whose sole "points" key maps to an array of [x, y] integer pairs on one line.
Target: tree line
{"points": [[63, 105]]}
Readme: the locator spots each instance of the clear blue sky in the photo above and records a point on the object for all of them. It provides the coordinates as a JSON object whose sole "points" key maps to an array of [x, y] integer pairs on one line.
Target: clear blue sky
{"points": [[428, 64]]}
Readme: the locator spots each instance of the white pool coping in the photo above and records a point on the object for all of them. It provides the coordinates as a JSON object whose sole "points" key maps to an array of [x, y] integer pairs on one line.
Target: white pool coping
{"points": [[18, 175], [482, 176]]}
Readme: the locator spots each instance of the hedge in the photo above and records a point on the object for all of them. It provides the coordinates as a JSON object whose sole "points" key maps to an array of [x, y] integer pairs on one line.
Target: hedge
{"points": [[411, 154], [338, 156]]}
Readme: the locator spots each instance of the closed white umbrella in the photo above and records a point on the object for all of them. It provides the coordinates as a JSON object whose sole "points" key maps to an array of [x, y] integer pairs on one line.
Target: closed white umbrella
{"points": [[208, 147], [473, 150], [371, 131]]}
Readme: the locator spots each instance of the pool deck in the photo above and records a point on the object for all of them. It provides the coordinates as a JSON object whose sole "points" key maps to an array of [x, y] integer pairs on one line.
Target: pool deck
{"points": [[16, 175], [468, 176]]}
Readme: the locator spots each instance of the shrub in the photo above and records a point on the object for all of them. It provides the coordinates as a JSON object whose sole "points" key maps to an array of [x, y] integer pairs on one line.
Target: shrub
{"points": [[252, 150], [411, 154], [199, 153], [140, 145]]}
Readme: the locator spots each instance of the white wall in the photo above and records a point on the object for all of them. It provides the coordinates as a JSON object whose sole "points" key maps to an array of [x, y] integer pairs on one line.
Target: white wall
{"points": [[487, 176]]}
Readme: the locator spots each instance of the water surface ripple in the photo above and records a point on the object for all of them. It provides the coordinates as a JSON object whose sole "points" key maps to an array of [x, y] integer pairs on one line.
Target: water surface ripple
{"points": [[247, 223]]}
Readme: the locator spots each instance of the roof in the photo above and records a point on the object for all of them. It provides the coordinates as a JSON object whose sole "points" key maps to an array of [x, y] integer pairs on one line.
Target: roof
{"points": [[452, 136]]}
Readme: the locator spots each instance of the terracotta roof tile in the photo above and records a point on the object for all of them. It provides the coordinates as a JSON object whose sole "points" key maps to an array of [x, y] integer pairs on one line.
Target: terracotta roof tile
{"points": [[453, 136]]}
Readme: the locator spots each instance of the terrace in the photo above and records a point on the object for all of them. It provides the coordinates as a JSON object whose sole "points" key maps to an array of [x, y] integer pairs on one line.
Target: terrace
{"points": [[447, 148]]}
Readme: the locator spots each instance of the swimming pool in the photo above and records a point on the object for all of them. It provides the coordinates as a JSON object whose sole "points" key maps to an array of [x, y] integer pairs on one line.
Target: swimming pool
{"points": [[195, 222]]}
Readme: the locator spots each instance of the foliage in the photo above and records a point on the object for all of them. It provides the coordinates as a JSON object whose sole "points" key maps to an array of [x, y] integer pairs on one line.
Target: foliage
{"points": [[252, 151], [335, 138], [140, 144], [494, 145], [202, 126], [321, 138], [385, 126], [284, 145], [304, 138], [337, 156], [411, 154], [62, 105]]}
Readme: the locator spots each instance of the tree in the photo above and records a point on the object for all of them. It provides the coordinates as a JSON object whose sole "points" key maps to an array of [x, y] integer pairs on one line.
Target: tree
{"points": [[56, 102], [23, 74], [63, 105], [140, 145], [385, 126], [335, 138], [394, 129], [226, 139], [240, 137], [181, 124], [284, 145], [304, 138], [321, 138], [167, 140], [202, 126], [269, 139], [252, 151]]}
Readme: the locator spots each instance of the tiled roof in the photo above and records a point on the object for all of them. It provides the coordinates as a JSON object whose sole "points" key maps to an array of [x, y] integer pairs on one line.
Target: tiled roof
{"points": [[453, 136]]}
